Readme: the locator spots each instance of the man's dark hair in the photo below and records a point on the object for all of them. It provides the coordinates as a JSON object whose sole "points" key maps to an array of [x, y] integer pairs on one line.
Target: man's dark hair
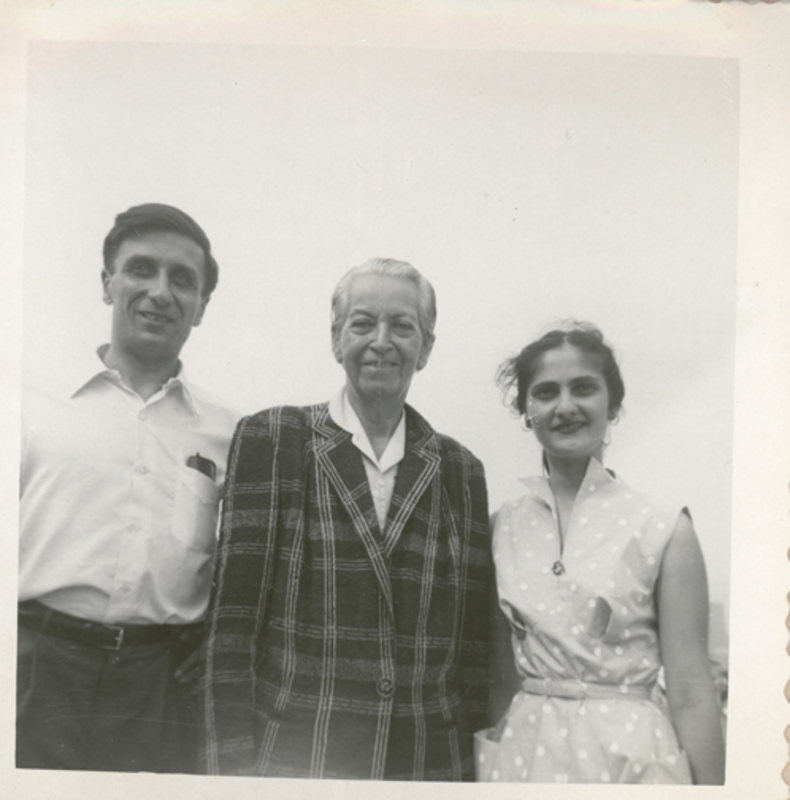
{"points": [[142, 219]]}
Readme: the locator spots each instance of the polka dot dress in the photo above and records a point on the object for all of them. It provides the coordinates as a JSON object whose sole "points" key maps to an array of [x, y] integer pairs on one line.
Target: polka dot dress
{"points": [[584, 637]]}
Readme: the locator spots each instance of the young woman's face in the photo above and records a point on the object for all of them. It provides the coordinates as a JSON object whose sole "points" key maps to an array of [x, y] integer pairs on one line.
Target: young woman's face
{"points": [[568, 404]]}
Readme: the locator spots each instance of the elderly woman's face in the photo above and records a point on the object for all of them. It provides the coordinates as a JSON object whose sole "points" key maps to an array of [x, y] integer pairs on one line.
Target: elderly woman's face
{"points": [[380, 344]]}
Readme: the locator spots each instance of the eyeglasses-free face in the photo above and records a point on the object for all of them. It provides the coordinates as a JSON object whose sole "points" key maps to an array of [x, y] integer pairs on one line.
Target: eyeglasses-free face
{"points": [[380, 343], [568, 404], [156, 291]]}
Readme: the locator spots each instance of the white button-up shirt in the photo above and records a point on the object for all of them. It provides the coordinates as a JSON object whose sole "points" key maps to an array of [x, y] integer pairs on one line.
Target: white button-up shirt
{"points": [[381, 472], [115, 527]]}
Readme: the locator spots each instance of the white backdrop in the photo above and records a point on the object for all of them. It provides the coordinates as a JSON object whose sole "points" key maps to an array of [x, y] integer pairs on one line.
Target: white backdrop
{"points": [[118, 136], [527, 187]]}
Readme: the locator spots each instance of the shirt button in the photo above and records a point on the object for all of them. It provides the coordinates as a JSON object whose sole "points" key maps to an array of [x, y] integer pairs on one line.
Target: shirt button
{"points": [[142, 415], [142, 469], [385, 687]]}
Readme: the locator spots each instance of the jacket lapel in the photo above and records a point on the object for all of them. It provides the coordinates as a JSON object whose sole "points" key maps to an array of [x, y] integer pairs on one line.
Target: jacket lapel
{"points": [[420, 464], [341, 462]]}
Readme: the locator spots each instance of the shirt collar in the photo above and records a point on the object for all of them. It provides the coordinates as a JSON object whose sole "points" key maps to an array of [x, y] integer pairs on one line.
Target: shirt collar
{"points": [[98, 370], [595, 476], [342, 412]]}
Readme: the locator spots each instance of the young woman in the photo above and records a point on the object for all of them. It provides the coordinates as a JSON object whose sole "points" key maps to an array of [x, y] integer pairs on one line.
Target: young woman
{"points": [[602, 586]]}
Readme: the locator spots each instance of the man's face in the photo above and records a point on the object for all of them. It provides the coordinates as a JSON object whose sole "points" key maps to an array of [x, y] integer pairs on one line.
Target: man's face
{"points": [[156, 291]]}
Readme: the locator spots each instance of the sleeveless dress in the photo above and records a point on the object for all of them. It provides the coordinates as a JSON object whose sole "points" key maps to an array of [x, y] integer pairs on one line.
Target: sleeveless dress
{"points": [[584, 636]]}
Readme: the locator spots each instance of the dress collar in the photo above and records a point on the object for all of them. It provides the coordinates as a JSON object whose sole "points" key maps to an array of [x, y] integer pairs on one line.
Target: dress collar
{"points": [[595, 477]]}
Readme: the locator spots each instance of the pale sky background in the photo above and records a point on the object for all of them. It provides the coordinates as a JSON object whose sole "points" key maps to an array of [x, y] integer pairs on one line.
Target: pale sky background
{"points": [[85, 133], [527, 187]]}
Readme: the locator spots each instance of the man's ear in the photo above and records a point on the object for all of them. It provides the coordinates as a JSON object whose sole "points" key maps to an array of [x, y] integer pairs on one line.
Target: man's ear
{"points": [[105, 282], [201, 311]]}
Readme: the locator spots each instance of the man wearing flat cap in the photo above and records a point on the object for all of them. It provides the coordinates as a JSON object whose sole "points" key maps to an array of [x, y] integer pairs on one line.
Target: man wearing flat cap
{"points": [[121, 476]]}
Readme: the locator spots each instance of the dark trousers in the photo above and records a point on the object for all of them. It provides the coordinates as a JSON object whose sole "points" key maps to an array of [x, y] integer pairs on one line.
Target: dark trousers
{"points": [[84, 707]]}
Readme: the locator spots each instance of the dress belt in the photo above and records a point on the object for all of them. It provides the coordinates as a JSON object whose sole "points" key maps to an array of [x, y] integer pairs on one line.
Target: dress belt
{"points": [[37, 617], [579, 690]]}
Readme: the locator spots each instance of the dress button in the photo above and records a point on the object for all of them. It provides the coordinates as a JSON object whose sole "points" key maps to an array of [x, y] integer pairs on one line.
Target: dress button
{"points": [[143, 415], [385, 687], [142, 469]]}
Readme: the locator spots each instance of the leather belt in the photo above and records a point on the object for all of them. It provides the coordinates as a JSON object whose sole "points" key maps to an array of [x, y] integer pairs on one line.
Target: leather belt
{"points": [[579, 690], [37, 617]]}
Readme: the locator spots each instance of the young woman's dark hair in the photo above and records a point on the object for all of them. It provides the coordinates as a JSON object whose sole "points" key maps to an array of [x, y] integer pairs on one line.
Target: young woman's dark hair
{"points": [[517, 372]]}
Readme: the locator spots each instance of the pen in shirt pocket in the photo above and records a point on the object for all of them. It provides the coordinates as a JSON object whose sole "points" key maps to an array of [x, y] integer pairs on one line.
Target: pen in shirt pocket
{"points": [[204, 465]]}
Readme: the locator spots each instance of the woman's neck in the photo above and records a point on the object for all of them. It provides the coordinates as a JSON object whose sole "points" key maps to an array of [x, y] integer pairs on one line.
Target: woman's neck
{"points": [[379, 420], [566, 476]]}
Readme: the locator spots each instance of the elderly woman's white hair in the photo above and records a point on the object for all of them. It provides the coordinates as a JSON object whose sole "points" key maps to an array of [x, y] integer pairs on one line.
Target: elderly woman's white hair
{"points": [[426, 305]]}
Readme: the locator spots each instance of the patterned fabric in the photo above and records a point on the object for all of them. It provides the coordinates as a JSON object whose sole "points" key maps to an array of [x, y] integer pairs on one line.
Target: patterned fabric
{"points": [[585, 639], [337, 650]]}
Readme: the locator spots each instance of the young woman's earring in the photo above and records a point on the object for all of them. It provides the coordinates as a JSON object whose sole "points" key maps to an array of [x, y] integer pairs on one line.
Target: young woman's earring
{"points": [[526, 423]]}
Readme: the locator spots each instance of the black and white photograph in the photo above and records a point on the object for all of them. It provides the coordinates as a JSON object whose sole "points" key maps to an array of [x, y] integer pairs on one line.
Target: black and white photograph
{"points": [[397, 403]]}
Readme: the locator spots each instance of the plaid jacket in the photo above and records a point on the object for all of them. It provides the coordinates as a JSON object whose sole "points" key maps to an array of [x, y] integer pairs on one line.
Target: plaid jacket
{"points": [[337, 650]]}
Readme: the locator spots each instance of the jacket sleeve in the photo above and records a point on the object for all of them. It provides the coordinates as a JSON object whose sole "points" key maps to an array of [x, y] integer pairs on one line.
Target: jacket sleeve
{"points": [[475, 645], [242, 577]]}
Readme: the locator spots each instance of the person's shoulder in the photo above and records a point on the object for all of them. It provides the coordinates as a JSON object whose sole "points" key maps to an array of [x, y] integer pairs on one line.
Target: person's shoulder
{"points": [[209, 403], [656, 514], [284, 418], [645, 501], [453, 452], [448, 447]]}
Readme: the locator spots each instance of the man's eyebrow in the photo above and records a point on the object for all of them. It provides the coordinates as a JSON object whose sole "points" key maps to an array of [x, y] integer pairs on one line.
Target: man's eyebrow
{"points": [[137, 258]]}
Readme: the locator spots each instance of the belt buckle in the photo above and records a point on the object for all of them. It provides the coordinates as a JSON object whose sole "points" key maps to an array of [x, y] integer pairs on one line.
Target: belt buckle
{"points": [[116, 645]]}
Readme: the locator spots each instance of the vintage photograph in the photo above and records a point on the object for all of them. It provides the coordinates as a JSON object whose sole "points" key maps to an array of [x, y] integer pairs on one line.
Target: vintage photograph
{"points": [[571, 219], [377, 414]]}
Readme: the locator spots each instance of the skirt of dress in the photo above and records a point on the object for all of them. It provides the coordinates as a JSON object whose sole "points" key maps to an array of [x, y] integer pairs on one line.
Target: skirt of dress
{"points": [[603, 740]]}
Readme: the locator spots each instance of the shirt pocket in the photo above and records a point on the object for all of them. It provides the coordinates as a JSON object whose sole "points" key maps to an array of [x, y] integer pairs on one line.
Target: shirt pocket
{"points": [[600, 618], [609, 619], [195, 510]]}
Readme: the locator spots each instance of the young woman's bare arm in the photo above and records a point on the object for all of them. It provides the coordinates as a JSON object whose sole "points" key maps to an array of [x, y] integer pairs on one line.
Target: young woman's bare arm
{"points": [[682, 602]]}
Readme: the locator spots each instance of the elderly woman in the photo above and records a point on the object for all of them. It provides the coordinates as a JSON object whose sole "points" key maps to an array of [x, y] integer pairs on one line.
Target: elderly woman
{"points": [[348, 631]]}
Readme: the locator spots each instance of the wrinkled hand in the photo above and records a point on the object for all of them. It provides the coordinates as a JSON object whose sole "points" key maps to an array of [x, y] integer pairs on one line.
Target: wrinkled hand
{"points": [[191, 669]]}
